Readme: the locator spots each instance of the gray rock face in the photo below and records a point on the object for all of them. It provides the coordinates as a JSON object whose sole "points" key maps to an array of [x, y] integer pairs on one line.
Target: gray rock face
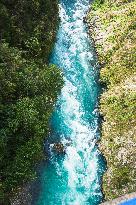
{"points": [[23, 197]]}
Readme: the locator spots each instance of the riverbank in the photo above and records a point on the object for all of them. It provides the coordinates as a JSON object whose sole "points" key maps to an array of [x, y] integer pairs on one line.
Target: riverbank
{"points": [[112, 26], [23, 196], [29, 88]]}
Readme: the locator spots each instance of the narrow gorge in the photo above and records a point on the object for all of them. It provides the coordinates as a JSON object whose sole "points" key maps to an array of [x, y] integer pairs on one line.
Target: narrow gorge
{"points": [[67, 102], [75, 175]]}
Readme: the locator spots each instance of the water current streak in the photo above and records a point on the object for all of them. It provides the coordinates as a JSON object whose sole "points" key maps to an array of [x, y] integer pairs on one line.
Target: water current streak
{"points": [[74, 178]]}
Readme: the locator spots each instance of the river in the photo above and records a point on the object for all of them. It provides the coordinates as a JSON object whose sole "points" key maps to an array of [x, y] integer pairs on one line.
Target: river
{"points": [[74, 177]]}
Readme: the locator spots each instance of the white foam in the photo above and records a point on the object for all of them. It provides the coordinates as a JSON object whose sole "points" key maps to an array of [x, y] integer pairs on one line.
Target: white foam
{"points": [[81, 160]]}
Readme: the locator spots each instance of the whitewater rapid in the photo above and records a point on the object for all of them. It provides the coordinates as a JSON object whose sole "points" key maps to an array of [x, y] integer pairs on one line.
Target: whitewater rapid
{"points": [[74, 178]]}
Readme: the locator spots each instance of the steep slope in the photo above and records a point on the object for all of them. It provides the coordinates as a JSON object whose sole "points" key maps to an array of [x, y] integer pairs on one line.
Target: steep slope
{"points": [[112, 25], [28, 88]]}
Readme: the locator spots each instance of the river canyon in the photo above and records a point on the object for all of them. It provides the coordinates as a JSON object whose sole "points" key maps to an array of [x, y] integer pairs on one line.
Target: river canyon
{"points": [[74, 177]]}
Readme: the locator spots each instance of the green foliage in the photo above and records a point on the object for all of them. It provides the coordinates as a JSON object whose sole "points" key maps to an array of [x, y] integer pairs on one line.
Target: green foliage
{"points": [[28, 87], [21, 169], [30, 25], [97, 4], [121, 177], [115, 42]]}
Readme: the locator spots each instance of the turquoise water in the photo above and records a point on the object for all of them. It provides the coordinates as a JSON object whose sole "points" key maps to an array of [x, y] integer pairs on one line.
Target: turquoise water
{"points": [[74, 178]]}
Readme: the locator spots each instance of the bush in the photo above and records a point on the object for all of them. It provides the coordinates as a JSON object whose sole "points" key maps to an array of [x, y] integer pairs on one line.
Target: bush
{"points": [[28, 87]]}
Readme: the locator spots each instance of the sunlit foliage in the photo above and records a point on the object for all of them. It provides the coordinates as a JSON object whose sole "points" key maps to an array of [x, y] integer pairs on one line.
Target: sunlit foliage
{"points": [[115, 39]]}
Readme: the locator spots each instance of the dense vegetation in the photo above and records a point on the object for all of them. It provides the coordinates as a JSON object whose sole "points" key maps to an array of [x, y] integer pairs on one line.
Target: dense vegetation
{"points": [[28, 87], [113, 23]]}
